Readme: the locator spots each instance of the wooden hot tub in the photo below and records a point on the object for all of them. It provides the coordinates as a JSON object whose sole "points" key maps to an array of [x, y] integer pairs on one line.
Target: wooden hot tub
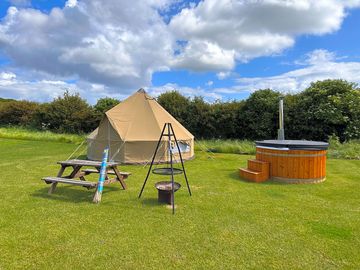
{"points": [[294, 161]]}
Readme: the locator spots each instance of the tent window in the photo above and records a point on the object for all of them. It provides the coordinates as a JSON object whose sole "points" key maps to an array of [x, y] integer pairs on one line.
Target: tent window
{"points": [[184, 147]]}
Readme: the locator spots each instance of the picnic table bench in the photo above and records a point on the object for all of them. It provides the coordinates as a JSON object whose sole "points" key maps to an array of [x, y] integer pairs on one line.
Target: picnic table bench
{"points": [[77, 164]]}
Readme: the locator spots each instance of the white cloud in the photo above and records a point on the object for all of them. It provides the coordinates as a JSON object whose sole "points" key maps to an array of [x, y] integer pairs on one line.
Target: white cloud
{"points": [[321, 65], [7, 76], [223, 75], [71, 3], [251, 28], [351, 3], [113, 48], [316, 57], [104, 42], [191, 92], [20, 87], [201, 56], [209, 83]]}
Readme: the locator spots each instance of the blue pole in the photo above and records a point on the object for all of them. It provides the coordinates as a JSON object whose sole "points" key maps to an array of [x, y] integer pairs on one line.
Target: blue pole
{"points": [[100, 185]]}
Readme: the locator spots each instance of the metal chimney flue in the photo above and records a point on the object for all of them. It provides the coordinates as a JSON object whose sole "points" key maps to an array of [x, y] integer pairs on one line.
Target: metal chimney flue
{"points": [[281, 133]]}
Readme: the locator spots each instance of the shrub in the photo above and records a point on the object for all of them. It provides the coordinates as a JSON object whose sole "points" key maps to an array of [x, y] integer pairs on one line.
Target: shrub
{"points": [[103, 105], [67, 114], [17, 112]]}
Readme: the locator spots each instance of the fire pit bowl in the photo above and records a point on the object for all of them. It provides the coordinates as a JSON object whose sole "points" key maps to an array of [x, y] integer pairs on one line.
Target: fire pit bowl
{"points": [[165, 191]]}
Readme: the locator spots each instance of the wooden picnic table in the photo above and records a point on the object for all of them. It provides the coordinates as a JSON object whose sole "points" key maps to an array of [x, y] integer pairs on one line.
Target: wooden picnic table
{"points": [[77, 172]]}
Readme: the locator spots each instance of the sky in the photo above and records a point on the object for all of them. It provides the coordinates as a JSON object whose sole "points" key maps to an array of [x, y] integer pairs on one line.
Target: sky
{"points": [[218, 49]]}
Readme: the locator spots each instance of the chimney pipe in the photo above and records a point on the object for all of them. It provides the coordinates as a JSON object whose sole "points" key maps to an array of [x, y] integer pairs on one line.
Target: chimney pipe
{"points": [[281, 133]]}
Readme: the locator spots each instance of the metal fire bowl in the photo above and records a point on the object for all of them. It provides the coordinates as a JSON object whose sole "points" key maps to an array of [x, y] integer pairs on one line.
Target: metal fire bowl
{"points": [[166, 186]]}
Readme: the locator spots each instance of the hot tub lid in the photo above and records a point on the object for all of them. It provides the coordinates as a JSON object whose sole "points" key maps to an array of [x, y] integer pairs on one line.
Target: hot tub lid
{"points": [[294, 144]]}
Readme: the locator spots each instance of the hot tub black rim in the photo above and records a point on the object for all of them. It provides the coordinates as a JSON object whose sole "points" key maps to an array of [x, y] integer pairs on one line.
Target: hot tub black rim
{"points": [[293, 144]]}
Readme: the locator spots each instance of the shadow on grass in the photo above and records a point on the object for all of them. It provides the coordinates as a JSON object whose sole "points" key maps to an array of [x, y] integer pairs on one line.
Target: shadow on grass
{"points": [[71, 194], [151, 202], [235, 176]]}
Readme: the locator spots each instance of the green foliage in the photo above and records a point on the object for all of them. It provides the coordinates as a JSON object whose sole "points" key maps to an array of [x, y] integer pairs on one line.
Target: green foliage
{"points": [[260, 115], [66, 114], [17, 112], [204, 120], [176, 104], [330, 107], [6, 100], [325, 108], [227, 120], [226, 224], [103, 105], [200, 118], [346, 150]]}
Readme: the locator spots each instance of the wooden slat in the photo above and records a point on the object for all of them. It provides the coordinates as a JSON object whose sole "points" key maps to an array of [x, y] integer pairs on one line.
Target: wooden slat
{"points": [[294, 164], [109, 171], [81, 162], [68, 181]]}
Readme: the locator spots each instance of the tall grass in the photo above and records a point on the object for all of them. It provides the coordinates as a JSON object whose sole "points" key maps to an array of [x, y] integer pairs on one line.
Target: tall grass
{"points": [[35, 135], [346, 150], [226, 146]]}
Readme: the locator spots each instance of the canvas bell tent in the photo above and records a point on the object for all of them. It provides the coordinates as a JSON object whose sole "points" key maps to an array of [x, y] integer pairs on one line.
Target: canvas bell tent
{"points": [[132, 130]]}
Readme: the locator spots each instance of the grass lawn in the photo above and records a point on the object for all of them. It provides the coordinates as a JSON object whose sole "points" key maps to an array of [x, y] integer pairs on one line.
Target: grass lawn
{"points": [[226, 224]]}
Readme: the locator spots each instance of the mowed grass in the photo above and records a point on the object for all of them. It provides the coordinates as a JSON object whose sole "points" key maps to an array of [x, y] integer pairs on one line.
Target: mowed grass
{"points": [[226, 224]]}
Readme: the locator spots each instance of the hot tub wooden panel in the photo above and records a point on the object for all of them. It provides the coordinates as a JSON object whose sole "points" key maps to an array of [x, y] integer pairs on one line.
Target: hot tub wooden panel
{"points": [[295, 166]]}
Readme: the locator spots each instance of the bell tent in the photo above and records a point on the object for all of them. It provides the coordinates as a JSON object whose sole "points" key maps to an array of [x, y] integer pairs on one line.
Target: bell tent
{"points": [[132, 130]]}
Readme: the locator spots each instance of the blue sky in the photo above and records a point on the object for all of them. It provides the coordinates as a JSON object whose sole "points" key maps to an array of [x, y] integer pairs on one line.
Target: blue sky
{"points": [[219, 49]]}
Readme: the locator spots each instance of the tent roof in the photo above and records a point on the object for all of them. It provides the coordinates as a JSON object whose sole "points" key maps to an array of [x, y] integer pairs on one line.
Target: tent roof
{"points": [[141, 118]]}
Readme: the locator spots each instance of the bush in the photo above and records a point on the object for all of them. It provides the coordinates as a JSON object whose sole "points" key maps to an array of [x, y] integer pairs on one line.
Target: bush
{"points": [[66, 114], [260, 115], [330, 107], [176, 104], [103, 105], [17, 112]]}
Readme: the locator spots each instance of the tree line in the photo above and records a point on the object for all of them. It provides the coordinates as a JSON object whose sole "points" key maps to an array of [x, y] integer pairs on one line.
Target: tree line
{"points": [[326, 108]]}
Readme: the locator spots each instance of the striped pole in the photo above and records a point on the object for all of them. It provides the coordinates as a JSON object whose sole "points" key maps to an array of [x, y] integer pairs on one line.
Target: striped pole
{"points": [[100, 185]]}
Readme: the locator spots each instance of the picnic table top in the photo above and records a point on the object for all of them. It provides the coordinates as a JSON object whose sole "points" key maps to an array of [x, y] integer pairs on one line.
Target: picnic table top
{"points": [[82, 162]]}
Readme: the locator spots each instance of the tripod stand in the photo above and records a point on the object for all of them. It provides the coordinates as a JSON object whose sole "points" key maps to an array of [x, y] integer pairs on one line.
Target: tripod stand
{"points": [[169, 170]]}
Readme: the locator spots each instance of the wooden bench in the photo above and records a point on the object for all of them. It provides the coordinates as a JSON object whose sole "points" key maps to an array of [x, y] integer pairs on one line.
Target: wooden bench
{"points": [[52, 180], [89, 171]]}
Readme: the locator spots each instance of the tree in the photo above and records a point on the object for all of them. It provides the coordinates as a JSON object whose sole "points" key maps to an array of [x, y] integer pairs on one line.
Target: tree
{"points": [[325, 108], [69, 113], [225, 117], [201, 119], [17, 112], [103, 105], [260, 115], [176, 104]]}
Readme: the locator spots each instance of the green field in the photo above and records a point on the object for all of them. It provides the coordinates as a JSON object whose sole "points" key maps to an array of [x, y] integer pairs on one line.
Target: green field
{"points": [[226, 224]]}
